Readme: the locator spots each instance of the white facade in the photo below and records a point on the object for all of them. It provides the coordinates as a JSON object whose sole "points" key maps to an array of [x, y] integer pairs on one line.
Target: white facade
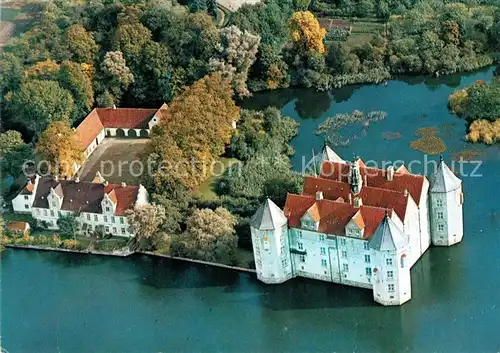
{"points": [[24, 200], [382, 262], [446, 200]]}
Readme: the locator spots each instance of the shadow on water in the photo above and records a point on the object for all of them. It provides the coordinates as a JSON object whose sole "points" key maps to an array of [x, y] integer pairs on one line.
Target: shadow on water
{"points": [[303, 293], [164, 273]]}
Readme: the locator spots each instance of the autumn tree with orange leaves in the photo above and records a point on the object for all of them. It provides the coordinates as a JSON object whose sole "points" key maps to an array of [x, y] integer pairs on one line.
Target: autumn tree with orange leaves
{"points": [[198, 126], [306, 33], [60, 148]]}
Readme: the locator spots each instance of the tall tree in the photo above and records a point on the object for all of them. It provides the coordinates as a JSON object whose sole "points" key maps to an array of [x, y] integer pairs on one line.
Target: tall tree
{"points": [[38, 103], [306, 33], [238, 55], [72, 77], [10, 140], [213, 235], [81, 45], [146, 220], [116, 75], [61, 149]]}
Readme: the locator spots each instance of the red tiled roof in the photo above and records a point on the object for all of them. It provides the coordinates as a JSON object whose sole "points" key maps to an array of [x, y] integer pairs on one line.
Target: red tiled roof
{"points": [[21, 226], [125, 197], [89, 129], [334, 216], [85, 196], [126, 118], [376, 178], [370, 196]]}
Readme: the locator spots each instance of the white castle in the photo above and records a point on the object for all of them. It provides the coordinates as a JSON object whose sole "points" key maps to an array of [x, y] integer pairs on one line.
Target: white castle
{"points": [[359, 226]]}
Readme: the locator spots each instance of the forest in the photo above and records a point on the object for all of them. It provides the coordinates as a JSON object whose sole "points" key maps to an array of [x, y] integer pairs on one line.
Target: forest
{"points": [[142, 53]]}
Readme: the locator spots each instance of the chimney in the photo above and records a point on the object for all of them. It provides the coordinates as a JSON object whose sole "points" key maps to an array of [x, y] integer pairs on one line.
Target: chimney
{"points": [[365, 180], [390, 173], [319, 195], [406, 192], [56, 178], [114, 106], [105, 183], [77, 180], [349, 199], [123, 184], [358, 202]]}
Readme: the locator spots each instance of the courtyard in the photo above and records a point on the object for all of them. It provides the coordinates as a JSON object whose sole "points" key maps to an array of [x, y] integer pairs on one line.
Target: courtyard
{"points": [[118, 160]]}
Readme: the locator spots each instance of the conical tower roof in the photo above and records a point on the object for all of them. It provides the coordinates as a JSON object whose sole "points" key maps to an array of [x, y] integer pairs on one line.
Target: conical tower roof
{"points": [[268, 217], [444, 180], [388, 237], [329, 155]]}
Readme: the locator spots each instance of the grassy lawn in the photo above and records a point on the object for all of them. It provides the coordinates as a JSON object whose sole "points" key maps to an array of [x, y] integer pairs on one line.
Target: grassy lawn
{"points": [[206, 190]]}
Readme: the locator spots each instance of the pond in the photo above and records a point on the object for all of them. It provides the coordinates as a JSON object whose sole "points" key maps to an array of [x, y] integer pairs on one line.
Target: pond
{"points": [[79, 303]]}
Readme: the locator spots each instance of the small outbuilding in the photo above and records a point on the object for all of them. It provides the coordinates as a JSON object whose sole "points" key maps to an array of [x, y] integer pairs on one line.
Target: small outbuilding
{"points": [[19, 227]]}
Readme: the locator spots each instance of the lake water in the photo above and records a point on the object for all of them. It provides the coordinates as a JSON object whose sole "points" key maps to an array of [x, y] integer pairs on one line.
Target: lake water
{"points": [[77, 303]]}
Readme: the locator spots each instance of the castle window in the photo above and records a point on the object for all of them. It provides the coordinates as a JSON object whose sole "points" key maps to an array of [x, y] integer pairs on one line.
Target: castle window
{"points": [[390, 288], [45, 213], [403, 260], [107, 209], [388, 262], [37, 211], [368, 271], [367, 259], [106, 219], [114, 230], [299, 234], [344, 254], [390, 274], [439, 203], [266, 243], [52, 213], [342, 241], [300, 246], [345, 267], [323, 263], [26, 206], [95, 218], [284, 262], [112, 219], [440, 215], [123, 230], [107, 229], [366, 246], [302, 258], [121, 220], [323, 251], [26, 197], [88, 217], [321, 237], [440, 227]]}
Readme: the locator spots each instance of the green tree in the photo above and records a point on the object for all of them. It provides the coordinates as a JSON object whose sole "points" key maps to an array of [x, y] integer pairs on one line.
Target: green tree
{"points": [[38, 103], [213, 235], [13, 160], [69, 225], [73, 78], [116, 75], [80, 44], [10, 140]]}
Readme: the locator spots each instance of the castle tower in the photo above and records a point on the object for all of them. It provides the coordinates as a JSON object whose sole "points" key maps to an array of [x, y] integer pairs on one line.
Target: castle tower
{"points": [[445, 206], [390, 268], [269, 228]]}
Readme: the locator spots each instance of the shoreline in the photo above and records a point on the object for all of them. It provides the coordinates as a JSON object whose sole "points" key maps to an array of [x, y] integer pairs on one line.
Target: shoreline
{"points": [[123, 254]]}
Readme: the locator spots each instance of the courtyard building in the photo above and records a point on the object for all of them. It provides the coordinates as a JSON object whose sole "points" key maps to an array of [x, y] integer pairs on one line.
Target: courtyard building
{"points": [[95, 204], [358, 226]]}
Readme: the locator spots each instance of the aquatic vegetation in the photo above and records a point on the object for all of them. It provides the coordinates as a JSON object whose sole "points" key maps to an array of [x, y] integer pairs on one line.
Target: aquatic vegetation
{"points": [[389, 135], [466, 155], [484, 131], [332, 126], [428, 142]]}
